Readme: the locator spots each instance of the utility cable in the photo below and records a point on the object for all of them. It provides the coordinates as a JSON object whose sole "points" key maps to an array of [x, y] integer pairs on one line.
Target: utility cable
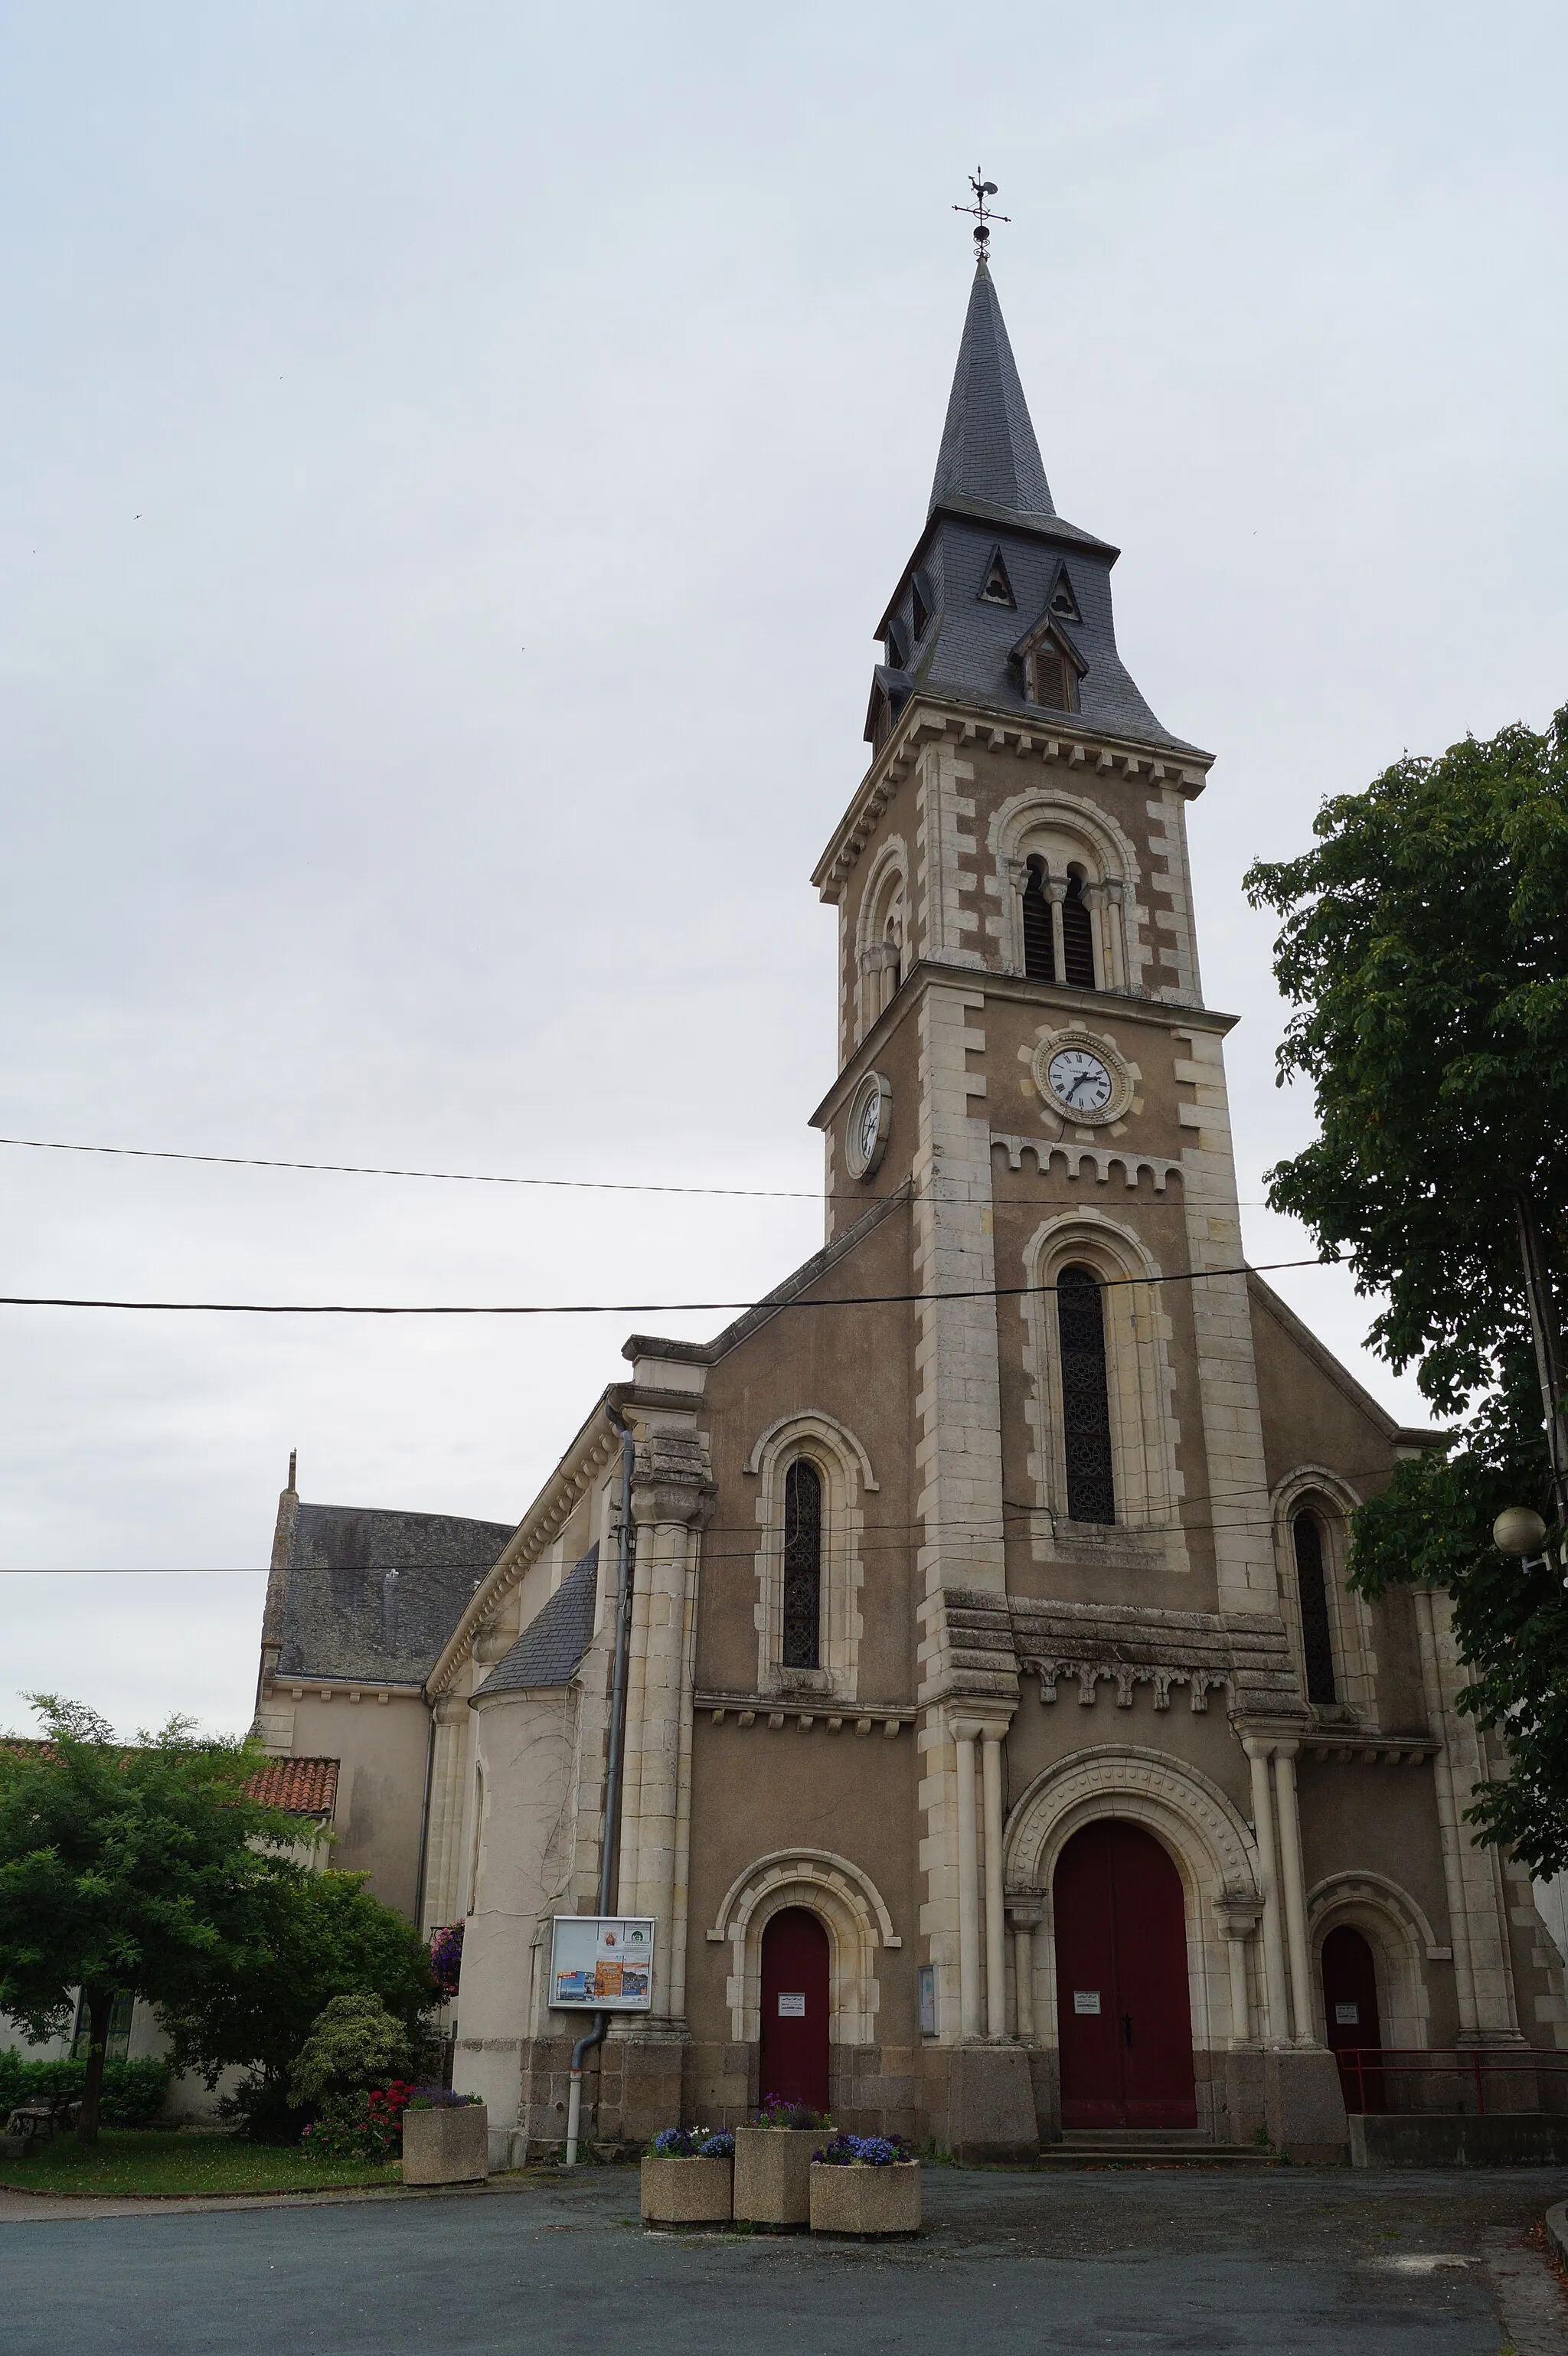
{"points": [[623, 1308]]}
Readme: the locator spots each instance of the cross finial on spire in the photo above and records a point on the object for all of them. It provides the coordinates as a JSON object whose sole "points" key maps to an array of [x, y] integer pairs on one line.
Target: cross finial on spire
{"points": [[979, 211]]}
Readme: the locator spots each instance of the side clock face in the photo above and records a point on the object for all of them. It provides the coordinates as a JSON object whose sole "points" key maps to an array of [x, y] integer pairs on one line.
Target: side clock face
{"points": [[870, 1118], [1080, 1080]]}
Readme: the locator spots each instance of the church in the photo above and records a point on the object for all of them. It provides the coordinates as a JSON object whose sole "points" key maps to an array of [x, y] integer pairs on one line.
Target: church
{"points": [[952, 1659]]}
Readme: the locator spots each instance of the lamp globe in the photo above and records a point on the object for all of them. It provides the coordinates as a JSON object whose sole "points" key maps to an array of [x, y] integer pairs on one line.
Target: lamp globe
{"points": [[1518, 1530]]}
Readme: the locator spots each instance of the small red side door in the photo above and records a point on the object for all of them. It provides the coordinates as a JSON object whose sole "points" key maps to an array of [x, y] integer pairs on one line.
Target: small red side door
{"points": [[793, 2062], [1350, 2010], [1124, 2021]]}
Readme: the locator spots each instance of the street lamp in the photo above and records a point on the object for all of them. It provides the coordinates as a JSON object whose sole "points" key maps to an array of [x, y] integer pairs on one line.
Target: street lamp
{"points": [[1518, 1530]]}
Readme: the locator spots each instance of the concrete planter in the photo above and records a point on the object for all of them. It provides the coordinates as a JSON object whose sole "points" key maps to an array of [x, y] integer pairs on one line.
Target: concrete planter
{"points": [[686, 2191], [863, 2200], [449, 2144], [772, 2173]]}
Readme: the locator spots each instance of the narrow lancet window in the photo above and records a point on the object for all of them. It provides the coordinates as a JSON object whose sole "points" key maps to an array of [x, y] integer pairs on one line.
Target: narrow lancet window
{"points": [[1312, 1587], [1039, 949], [1085, 1401], [803, 1567], [1078, 937]]}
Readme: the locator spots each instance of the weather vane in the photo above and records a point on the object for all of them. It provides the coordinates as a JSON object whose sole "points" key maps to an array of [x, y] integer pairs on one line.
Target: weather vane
{"points": [[980, 212]]}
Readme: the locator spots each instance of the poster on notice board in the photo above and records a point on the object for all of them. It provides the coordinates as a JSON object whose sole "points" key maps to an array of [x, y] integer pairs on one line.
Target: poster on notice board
{"points": [[603, 1963]]}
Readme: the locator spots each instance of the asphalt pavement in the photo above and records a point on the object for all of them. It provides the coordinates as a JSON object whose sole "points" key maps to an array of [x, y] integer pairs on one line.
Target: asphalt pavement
{"points": [[1321, 2262]]}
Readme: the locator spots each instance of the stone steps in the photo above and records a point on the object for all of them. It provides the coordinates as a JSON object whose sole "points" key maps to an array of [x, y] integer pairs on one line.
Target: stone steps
{"points": [[1148, 2147]]}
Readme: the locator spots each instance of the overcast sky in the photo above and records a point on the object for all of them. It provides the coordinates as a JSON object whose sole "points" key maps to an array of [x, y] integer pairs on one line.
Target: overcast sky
{"points": [[454, 461]]}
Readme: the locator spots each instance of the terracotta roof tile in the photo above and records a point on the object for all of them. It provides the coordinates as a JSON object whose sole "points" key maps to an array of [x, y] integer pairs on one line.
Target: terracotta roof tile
{"points": [[305, 1787]]}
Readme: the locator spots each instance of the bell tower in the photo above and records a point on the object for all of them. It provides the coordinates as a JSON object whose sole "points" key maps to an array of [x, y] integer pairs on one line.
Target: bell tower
{"points": [[1023, 1044]]}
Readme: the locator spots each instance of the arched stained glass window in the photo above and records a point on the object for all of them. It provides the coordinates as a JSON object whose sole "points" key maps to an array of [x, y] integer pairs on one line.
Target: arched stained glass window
{"points": [[1312, 1587], [1086, 1402], [803, 1566]]}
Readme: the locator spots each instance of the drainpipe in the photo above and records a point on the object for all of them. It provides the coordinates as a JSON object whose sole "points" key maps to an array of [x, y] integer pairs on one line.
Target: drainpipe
{"points": [[611, 1824]]}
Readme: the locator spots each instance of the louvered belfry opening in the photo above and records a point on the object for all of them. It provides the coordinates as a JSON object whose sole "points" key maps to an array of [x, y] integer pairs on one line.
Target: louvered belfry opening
{"points": [[1040, 948], [803, 1566], [1085, 1401], [1051, 687], [1312, 1587], [1078, 937]]}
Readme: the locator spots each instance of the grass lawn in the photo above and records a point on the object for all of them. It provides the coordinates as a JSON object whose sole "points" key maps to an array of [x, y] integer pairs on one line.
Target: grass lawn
{"points": [[147, 2160]]}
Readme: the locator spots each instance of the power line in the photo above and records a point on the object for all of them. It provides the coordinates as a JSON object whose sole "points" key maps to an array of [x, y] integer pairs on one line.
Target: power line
{"points": [[618, 1308], [493, 1178]]}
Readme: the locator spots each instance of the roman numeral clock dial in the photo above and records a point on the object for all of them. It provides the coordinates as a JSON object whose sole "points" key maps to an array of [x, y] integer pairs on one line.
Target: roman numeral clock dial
{"points": [[1080, 1080]]}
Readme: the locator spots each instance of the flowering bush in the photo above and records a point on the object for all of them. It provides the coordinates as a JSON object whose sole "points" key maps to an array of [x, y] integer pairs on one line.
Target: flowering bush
{"points": [[694, 2143], [446, 1957], [866, 2151], [439, 2098], [777, 2111], [361, 2127]]}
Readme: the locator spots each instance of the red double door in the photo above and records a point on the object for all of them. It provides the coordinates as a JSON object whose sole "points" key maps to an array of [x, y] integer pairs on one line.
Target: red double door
{"points": [[1125, 2024]]}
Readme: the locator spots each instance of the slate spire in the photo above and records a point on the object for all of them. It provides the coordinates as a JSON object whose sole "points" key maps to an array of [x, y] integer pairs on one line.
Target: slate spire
{"points": [[988, 450]]}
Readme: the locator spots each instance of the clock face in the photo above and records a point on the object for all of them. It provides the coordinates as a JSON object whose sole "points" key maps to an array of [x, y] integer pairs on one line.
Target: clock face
{"points": [[870, 1124], [870, 1118], [1080, 1080]]}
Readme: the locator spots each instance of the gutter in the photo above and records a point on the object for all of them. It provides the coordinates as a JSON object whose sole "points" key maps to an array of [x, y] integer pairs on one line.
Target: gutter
{"points": [[609, 1833]]}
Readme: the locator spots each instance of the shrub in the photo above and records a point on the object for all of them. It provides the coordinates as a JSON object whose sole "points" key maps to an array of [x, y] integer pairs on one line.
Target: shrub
{"points": [[446, 1957], [133, 2092], [865, 2151], [354, 2042], [440, 2098], [778, 2113], [694, 2143]]}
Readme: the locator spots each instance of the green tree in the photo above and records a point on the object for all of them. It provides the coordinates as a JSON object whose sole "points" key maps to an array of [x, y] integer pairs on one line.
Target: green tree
{"points": [[322, 1936], [140, 1868], [1425, 948]]}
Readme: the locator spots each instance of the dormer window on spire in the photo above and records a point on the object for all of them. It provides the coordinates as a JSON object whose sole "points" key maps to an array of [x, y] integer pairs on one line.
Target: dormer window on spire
{"points": [[996, 589], [1051, 664]]}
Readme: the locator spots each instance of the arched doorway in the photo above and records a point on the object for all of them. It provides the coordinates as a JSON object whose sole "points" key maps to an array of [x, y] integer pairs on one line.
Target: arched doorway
{"points": [[793, 2059], [1124, 2022], [1350, 2014]]}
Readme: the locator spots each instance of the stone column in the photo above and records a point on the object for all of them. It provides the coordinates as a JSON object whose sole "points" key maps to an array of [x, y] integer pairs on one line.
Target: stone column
{"points": [[441, 1903], [1024, 1913], [1295, 1892], [1056, 892], [996, 1932], [1236, 1925], [964, 1733], [1277, 2025]]}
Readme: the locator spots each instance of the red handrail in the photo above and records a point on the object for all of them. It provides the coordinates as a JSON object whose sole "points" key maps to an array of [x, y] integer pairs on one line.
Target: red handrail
{"points": [[1445, 2060]]}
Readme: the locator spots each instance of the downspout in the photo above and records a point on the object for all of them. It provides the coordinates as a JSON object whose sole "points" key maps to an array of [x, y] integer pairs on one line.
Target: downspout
{"points": [[610, 1833]]}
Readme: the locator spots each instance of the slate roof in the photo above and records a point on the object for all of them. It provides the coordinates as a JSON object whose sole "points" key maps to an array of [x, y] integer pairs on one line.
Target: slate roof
{"points": [[343, 1617], [991, 495], [305, 1787], [551, 1647], [989, 450]]}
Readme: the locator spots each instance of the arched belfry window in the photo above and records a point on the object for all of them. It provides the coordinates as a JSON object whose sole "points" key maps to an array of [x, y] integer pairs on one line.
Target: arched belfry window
{"points": [[1077, 935], [1312, 1588], [803, 1566], [1040, 948], [1085, 1400]]}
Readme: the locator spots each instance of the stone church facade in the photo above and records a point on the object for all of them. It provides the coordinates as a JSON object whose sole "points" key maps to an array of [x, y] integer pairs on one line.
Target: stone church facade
{"points": [[992, 1675]]}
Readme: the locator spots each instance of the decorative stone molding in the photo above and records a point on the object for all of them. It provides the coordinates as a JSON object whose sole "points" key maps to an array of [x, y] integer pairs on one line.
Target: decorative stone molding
{"points": [[1191, 1817], [1066, 827], [1103, 1159], [1127, 1646], [972, 1657], [1400, 1937], [1141, 1390], [845, 1468], [852, 1910]]}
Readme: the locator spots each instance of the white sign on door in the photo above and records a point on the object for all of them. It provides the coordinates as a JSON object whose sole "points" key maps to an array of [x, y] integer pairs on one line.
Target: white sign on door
{"points": [[1346, 2016], [792, 2006], [1086, 1999]]}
